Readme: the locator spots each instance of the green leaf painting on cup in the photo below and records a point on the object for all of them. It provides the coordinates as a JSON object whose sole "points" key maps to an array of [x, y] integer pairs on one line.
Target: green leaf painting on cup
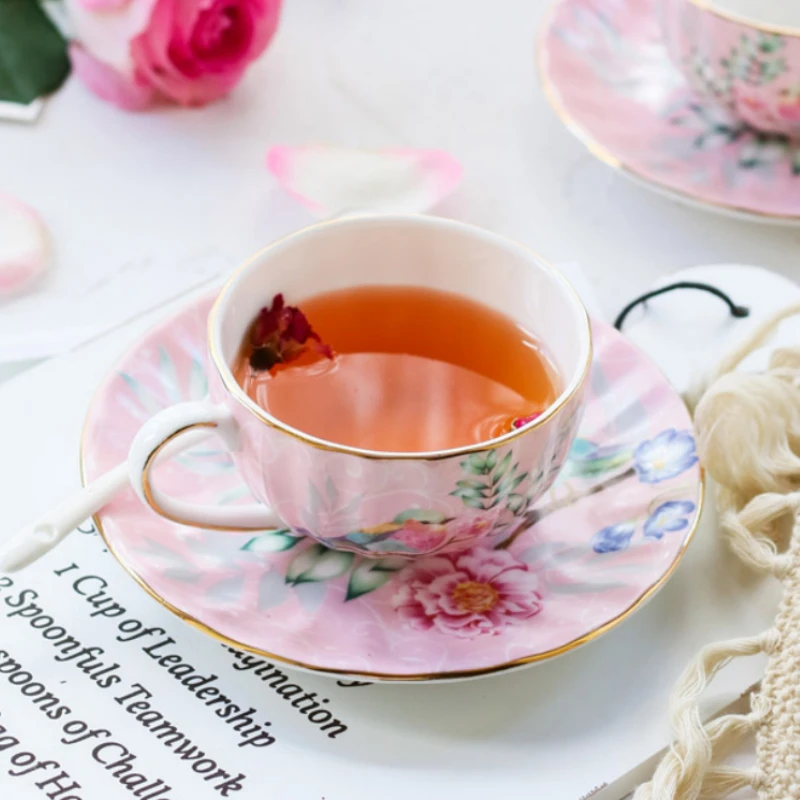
{"points": [[496, 482]]}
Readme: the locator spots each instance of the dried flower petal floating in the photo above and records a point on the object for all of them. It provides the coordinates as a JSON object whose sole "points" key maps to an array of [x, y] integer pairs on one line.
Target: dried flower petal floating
{"points": [[281, 333], [331, 180], [24, 246], [521, 422]]}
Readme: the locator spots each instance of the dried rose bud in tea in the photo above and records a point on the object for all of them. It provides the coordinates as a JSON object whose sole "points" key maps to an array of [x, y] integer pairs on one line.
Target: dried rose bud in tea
{"points": [[280, 334]]}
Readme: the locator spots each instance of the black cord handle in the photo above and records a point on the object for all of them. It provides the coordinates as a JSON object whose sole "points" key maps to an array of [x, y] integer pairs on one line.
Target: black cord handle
{"points": [[736, 310]]}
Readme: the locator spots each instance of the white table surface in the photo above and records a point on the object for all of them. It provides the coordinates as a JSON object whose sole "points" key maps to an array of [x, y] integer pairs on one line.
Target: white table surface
{"points": [[143, 207]]}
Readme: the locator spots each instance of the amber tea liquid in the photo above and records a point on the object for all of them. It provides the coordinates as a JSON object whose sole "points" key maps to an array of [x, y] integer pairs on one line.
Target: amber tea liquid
{"points": [[414, 370]]}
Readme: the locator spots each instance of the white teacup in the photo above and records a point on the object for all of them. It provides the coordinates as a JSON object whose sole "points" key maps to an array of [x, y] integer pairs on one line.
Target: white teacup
{"points": [[370, 502]]}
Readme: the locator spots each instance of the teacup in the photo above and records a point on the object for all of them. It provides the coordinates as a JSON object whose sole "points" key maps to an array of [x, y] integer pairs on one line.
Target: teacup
{"points": [[363, 501], [743, 55]]}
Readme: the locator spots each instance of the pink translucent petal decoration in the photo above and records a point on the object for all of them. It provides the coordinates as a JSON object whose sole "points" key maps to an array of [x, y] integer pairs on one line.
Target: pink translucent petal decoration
{"points": [[103, 5], [331, 180], [109, 84], [24, 246]]}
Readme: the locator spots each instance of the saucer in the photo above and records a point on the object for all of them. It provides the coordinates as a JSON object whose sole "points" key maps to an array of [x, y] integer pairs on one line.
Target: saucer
{"points": [[593, 550], [608, 76]]}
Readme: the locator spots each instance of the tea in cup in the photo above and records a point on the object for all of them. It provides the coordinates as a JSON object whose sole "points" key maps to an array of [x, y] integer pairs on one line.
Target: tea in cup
{"points": [[387, 385]]}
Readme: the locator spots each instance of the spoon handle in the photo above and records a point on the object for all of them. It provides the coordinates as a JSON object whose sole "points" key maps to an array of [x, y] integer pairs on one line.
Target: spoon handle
{"points": [[33, 541]]}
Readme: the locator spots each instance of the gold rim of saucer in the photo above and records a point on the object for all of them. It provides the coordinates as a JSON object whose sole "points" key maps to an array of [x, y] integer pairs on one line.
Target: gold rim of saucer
{"points": [[602, 153], [235, 390], [518, 663], [740, 19]]}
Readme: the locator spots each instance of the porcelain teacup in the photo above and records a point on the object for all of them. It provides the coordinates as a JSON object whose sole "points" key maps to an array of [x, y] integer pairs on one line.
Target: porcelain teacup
{"points": [[370, 502]]}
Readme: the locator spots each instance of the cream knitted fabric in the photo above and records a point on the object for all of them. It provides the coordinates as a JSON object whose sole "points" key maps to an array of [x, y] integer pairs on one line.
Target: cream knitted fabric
{"points": [[778, 738], [748, 437]]}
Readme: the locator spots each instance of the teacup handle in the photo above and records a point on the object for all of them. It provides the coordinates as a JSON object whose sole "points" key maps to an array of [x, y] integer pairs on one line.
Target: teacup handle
{"points": [[156, 434]]}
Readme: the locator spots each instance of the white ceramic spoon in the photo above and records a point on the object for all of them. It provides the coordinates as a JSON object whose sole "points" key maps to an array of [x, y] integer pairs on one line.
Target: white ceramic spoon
{"points": [[40, 537]]}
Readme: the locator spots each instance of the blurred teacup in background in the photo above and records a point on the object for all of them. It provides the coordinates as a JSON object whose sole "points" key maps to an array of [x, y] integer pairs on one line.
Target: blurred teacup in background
{"points": [[743, 55]]}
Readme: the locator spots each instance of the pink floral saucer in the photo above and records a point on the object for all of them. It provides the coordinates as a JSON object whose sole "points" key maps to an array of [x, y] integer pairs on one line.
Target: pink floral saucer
{"points": [[603, 540], [607, 73]]}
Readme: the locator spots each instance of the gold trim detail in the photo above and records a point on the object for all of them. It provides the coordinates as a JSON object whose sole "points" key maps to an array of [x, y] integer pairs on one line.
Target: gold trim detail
{"points": [[238, 394], [147, 488], [603, 154]]}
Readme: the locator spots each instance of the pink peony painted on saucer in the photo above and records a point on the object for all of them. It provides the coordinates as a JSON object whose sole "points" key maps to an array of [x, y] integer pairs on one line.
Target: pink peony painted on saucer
{"points": [[467, 594], [189, 52]]}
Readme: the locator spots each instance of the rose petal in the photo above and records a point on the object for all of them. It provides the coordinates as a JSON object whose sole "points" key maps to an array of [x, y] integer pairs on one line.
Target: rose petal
{"points": [[107, 34], [109, 84], [330, 180], [103, 5], [24, 246]]}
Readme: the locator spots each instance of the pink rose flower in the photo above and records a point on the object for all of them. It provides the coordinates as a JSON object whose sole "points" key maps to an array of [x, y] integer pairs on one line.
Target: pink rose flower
{"points": [[426, 537], [423, 537], [129, 52], [467, 594]]}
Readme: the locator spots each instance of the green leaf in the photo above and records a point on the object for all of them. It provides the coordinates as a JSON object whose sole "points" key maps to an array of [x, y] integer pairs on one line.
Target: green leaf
{"points": [[471, 483], [491, 460], [502, 468], [318, 563], [510, 482], [518, 480], [198, 383], [371, 574], [475, 464], [468, 493], [271, 541], [357, 537], [166, 366], [33, 54], [420, 515], [515, 502], [769, 44], [473, 502]]}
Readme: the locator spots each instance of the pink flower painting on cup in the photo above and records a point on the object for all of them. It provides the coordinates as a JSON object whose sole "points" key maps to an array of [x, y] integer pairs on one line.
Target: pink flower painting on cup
{"points": [[430, 537], [189, 52], [467, 594]]}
